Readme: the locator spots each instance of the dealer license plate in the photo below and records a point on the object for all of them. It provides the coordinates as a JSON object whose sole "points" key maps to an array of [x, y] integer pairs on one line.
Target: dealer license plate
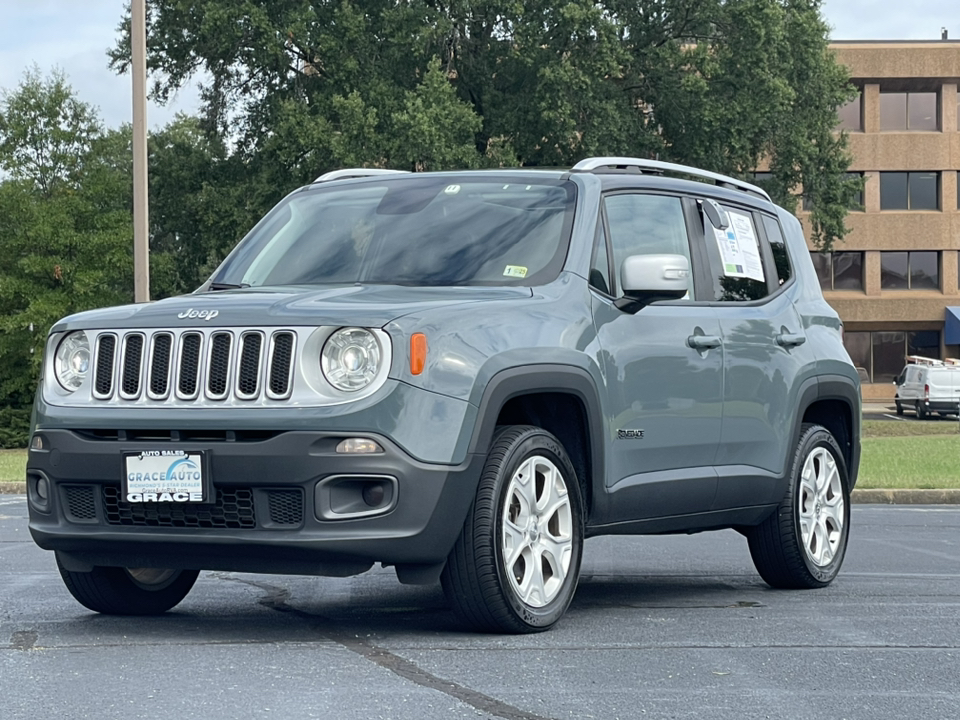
{"points": [[165, 476]]}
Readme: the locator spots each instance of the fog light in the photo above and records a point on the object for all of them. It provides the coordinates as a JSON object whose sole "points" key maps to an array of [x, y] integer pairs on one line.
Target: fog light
{"points": [[358, 446], [36, 442], [43, 489], [373, 495]]}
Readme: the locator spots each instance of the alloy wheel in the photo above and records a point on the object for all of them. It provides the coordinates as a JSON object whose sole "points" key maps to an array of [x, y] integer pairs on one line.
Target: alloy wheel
{"points": [[537, 531]]}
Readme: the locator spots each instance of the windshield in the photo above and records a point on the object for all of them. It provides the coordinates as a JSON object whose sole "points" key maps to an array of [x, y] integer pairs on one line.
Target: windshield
{"points": [[411, 230]]}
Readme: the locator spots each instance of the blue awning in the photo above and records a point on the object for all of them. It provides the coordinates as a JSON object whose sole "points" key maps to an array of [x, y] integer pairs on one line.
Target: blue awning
{"points": [[951, 327]]}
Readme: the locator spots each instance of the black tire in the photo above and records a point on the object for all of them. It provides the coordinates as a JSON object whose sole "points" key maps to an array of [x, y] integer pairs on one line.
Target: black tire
{"points": [[921, 412], [777, 545], [475, 578], [118, 591], [899, 408]]}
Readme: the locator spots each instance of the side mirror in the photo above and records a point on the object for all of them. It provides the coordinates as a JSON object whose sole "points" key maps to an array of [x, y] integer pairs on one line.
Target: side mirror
{"points": [[648, 278]]}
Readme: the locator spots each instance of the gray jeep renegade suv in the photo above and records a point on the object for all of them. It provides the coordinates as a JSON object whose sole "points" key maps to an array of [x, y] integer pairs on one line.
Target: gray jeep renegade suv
{"points": [[461, 375]]}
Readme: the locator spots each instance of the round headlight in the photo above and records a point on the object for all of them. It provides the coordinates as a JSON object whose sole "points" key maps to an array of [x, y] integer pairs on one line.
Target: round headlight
{"points": [[350, 359], [72, 360]]}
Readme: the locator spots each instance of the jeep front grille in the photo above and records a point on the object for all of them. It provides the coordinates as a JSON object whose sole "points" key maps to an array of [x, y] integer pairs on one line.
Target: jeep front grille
{"points": [[103, 381], [168, 365]]}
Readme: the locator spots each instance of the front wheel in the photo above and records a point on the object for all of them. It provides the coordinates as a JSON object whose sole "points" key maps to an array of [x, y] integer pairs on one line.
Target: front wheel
{"points": [[128, 591], [515, 566], [803, 543]]}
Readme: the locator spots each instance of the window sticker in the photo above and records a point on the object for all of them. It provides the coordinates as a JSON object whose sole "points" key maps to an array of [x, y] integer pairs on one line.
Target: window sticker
{"points": [[451, 189], [517, 271], [738, 248]]}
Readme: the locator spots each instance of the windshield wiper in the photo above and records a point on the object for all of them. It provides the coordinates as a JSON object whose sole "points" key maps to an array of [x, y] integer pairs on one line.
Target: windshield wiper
{"points": [[227, 286]]}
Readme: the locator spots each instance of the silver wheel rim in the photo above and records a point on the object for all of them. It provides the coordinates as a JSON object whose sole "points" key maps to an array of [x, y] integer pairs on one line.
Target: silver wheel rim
{"points": [[537, 537], [151, 577], [821, 507]]}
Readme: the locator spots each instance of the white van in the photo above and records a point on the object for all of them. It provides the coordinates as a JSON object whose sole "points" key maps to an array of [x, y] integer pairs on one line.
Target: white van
{"points": [[928, 386]]}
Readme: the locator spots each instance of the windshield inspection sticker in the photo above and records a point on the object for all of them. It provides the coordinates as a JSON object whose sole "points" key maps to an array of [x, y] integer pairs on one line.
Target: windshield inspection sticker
{"points": [[518, 271], [738, 248], [451, 189]]}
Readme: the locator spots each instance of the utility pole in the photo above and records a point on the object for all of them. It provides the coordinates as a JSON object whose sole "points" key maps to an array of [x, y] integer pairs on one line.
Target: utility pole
{"points": [[141, 225]]}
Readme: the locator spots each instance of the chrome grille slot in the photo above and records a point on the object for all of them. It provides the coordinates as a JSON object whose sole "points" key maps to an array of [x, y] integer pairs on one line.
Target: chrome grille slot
{"points": [[188, 366], [248, 368], [280, 369], [131, 364], [218, 368], [158, 373], [106, 354]]}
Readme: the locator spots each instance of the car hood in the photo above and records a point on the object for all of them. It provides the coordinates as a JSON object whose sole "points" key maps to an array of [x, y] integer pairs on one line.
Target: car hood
{"points": [[361, 305]]}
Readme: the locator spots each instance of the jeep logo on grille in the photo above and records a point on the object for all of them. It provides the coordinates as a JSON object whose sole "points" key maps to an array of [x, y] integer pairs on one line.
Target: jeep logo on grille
{"points": [[198, 314]]}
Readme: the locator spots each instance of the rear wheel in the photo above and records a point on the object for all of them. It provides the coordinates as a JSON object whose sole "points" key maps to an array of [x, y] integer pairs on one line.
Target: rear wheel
{"points": [[803, 543], [128, 591], [515, 566], [921, 412]]}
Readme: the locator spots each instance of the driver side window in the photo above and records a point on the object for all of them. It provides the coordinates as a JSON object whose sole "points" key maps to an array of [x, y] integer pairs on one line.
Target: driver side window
{"points": [[646, 225]]}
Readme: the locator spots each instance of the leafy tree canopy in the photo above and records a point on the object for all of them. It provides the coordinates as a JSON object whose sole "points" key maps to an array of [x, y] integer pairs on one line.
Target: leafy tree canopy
{"points": [[304, 86]]}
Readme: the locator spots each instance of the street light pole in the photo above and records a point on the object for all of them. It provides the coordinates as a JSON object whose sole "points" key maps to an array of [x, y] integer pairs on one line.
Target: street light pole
{"points": [[141, 246]]}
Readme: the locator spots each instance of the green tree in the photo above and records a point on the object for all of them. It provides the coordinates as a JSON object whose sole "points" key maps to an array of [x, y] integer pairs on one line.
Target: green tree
{"points": [[65, 230], [305, 87]]}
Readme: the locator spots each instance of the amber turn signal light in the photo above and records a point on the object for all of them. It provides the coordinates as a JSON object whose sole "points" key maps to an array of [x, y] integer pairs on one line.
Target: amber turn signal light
{"points": [[418, 353]]}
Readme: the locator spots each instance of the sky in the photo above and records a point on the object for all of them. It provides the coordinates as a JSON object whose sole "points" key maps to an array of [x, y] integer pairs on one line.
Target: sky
{"points": [[74, 35]]}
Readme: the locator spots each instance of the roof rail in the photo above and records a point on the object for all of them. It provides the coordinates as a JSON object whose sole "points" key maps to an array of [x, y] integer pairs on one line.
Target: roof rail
{"points": [[347, 173], [656, 166]]}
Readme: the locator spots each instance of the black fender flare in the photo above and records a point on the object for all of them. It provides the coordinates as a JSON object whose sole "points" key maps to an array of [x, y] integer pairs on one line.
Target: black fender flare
{"points": [[542, 378], [831, 387]]}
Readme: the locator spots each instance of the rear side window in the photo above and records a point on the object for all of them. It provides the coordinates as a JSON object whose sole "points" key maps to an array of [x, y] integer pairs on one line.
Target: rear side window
{"points": [[778, 246], [736, 258]]}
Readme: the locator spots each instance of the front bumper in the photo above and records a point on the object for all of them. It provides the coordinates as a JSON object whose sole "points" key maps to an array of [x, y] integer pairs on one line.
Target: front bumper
{"points": [[266, 518]]}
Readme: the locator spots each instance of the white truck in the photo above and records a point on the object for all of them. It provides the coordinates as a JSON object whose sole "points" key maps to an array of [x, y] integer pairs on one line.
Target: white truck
{"points": [[929, 386]]}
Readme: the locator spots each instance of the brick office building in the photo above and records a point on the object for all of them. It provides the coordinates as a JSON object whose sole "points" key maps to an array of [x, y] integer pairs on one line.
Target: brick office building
{"points": [[894, 278]]}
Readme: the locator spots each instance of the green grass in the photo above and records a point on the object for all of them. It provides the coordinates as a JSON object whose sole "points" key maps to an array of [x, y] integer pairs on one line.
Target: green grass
{"points": [[910, 462], [13, 464], [908, 428], [908, 454]]}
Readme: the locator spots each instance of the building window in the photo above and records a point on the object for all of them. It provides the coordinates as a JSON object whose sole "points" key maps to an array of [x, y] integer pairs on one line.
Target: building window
{"points": [[839, 270], [851, 115], [918, 270], [909, 191], [909, 111], [856, 204], [881, 355]]}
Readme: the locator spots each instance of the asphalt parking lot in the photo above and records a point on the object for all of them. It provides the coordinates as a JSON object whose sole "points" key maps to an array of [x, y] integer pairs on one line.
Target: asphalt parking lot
{"points": [[662, 627]]}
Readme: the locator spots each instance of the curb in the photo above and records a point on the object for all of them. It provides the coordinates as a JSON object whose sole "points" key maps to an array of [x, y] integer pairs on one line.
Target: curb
{"points": [[906, 497], [859, 497]]}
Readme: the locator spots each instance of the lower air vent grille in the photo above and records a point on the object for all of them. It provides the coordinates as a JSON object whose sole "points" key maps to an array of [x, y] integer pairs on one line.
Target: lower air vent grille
{"points": [[80, 502], [232, 510], [286, 507]]}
